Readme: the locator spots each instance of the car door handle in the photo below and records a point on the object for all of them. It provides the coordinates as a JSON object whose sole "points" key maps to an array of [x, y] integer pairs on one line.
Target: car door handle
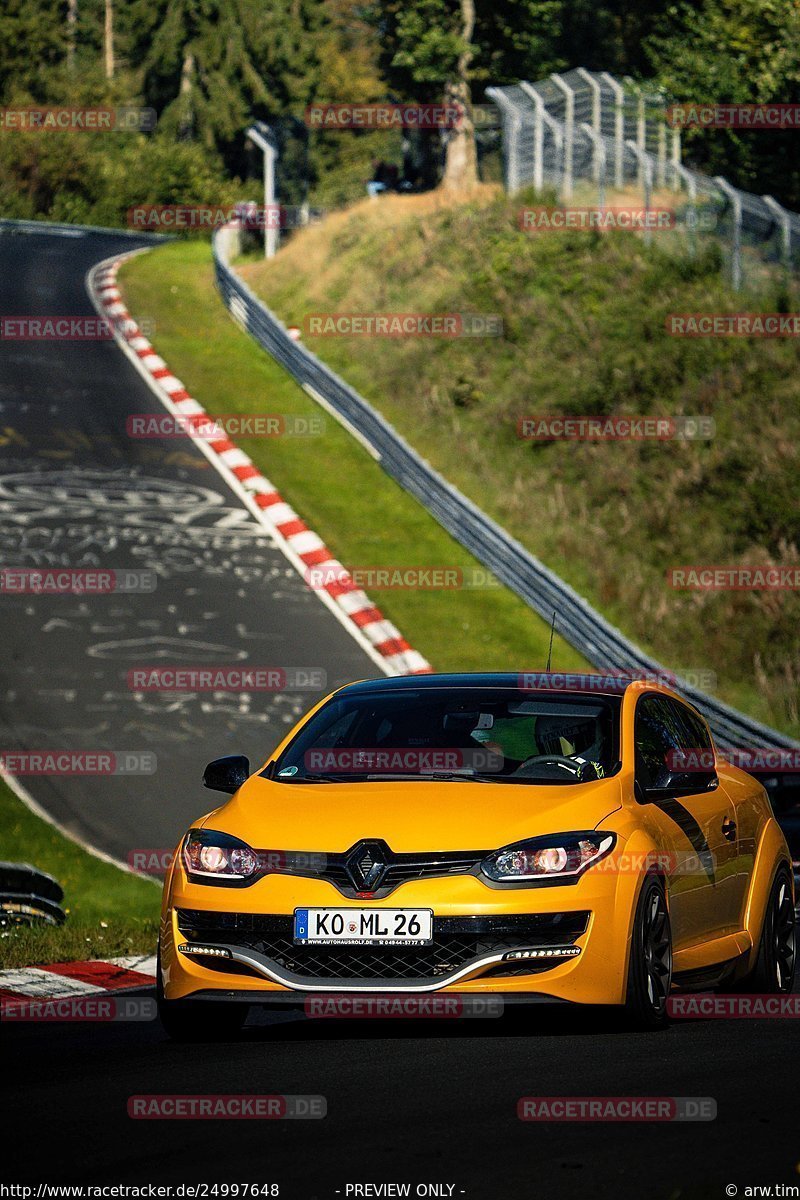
{"points": [[729, 829]]}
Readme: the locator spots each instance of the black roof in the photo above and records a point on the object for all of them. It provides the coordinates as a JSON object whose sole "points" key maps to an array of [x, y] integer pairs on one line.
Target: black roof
{"points": [[566, 683]]}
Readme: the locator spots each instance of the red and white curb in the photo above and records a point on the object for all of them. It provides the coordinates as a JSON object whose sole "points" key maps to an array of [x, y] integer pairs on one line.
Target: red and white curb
{"points": [[304, 548], [74, 980]]}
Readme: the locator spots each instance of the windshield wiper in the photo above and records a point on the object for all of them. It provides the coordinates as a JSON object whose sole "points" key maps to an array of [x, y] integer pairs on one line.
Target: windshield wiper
{"points": [[438, 776], [311, 778]]}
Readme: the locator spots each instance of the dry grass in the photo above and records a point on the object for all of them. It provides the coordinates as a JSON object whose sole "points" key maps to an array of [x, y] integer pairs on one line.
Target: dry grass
{"points": [[584, 334]]}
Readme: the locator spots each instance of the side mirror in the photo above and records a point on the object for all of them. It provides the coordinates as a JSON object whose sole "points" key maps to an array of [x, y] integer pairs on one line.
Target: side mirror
{"points": [[227, 774], [676, 783]]}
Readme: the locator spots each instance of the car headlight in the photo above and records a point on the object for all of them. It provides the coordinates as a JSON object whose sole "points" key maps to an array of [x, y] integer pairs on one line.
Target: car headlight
{"points": [[560, 856], [208, 855]]}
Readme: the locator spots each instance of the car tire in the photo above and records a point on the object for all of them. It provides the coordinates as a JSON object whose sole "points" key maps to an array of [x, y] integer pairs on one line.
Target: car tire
{"points": [[198, 1020], [650, 961], [773, 974]]}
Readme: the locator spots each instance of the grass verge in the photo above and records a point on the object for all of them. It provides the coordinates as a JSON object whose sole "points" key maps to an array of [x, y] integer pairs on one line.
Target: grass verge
{"points": [[363, 516], [109, 911]]}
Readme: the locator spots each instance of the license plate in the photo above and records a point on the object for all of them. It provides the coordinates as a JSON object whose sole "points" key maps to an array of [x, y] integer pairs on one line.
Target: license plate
{"points": [[363, 926]]}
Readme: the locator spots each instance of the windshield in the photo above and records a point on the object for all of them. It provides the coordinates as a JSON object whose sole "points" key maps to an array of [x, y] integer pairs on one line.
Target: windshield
{"points": [[484, 734]]}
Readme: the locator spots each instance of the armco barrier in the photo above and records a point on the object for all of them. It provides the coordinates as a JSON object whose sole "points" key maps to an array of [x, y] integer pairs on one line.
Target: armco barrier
{"points": [[577, 621]]}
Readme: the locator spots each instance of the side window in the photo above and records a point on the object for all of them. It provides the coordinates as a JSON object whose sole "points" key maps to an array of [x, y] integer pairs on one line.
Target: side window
{"points": [[694, 733], [654, 738], [695, 742], [663, 727]]}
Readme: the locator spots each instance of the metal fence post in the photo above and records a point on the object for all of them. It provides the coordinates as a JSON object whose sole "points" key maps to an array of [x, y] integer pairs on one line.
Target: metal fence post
{"points": [[569, 133], [641, 132], [599, 158], [619, 126], [646, 174], [661, 175], [263, 137], [675, 154], [783, 219], [597, 101], [735, 199], [538, 136], [691, 190], [540, 119], [512, 121]]}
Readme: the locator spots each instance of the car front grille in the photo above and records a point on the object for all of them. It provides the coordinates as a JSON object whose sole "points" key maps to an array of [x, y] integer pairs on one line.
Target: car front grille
{"points": [[402, 869], [456, 942]]}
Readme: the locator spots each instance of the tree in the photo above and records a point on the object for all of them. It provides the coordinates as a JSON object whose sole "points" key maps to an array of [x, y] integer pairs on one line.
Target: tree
{"points": [[211, 66], [426, 55], [736, 51], [32, 46]]}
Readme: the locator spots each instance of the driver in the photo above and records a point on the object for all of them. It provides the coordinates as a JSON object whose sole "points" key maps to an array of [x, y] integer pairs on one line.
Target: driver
{"points": [[582, 741]]}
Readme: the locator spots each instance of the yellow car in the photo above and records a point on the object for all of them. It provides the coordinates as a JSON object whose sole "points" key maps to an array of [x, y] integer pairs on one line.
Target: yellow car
{"points": [[525, 838]]}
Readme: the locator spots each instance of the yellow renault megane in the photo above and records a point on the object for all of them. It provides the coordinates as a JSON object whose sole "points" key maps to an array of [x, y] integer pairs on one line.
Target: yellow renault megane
{"points": [[529, 837]]}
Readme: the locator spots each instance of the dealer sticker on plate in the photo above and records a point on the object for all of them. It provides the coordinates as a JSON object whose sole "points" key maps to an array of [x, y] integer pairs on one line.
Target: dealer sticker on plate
{"points": [[363, 926]]}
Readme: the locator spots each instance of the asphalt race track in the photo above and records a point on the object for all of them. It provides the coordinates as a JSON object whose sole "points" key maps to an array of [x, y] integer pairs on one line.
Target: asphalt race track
{"points": [[418, 1101], [76, 490], [423, 1102]]}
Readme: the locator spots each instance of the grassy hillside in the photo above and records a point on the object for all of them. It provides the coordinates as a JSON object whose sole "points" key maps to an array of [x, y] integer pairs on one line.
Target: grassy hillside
{"points": [[584, 319], [365, 518]]}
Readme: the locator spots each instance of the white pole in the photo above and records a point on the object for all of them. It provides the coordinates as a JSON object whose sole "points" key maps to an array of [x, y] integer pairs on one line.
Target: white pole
{"points": [[676, 158], [600, 160], [619, 126], [597, 100], [261, 135], [538, 135], [270, 226], [569, 133], [736, 240], [646, 175], [691, 211]]}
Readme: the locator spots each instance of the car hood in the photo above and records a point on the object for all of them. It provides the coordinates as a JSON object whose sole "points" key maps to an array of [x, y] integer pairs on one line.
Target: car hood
{"points": [[409, 815]]}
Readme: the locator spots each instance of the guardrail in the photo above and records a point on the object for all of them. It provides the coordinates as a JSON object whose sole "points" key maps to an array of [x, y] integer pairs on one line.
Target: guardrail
{"points": [[12, 225], [580, 624]]}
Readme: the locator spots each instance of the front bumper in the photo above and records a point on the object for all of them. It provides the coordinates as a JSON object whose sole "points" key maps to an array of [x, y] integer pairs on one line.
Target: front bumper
{"points": [[568, 942], [462, 948]]}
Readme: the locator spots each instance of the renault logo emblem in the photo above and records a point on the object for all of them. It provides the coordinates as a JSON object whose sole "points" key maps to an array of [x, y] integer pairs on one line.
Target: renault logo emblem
{"points": [[366, 865]]}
